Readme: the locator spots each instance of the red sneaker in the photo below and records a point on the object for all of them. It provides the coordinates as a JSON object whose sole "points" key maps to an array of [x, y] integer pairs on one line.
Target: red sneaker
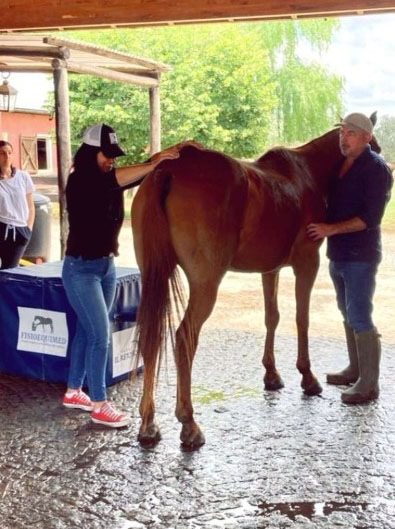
{"points": [[79, 400], [110, 416]]}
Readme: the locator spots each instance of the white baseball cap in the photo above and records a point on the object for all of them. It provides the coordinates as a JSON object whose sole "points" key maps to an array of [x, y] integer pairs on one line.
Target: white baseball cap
{"points": [[105, 138]]}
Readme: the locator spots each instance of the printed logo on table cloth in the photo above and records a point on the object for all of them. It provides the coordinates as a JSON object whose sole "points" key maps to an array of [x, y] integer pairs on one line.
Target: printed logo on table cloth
{"points": [[123, 345], [42, 331]]}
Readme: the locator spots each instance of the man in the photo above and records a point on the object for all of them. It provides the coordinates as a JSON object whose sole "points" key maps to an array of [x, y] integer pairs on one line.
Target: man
{"points": [[356, 203]]}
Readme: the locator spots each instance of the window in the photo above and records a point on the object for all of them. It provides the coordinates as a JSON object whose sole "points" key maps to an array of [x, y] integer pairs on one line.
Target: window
{"points": [[42, 155]]}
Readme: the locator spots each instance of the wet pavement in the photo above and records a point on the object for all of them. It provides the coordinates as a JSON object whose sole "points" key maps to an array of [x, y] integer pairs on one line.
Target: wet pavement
{"points": [[271, 460]]}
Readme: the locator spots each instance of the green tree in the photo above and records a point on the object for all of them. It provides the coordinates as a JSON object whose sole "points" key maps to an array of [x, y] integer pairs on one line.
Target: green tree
{"points": [[237, 88], [309, 97]]}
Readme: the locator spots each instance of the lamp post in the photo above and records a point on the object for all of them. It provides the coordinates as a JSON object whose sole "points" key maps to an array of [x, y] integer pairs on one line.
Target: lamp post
{"points": [[7, 95]]}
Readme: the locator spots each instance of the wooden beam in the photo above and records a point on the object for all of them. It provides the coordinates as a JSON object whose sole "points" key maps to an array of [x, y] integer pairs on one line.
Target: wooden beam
{"points": [[112, 75], [35, 51], [98, 50], [35, 68], [45, 14], [63, 147], [154, 106], [44, 67]]}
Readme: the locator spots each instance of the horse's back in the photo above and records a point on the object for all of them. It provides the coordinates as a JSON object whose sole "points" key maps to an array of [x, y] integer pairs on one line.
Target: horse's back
{"points": [[218, 209]]}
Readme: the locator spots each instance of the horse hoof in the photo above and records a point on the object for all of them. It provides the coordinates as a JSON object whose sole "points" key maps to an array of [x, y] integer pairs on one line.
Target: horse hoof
{"points": [[312, 389], [150, 437], [191, 438], [274, 384]]}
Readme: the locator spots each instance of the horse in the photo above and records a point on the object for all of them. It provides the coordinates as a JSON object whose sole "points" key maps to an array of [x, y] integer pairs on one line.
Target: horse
{"points": [[41, 320], [209, 213]]}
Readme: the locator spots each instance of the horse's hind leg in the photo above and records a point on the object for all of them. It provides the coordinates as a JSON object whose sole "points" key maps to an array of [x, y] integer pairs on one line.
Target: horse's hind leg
{"points": [[201, 302], [272, 378], [305, 273], [149, 433]]}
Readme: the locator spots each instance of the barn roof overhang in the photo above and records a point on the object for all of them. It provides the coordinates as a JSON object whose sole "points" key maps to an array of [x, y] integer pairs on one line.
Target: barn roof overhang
{"points": [[37, 53], [23, 15]]}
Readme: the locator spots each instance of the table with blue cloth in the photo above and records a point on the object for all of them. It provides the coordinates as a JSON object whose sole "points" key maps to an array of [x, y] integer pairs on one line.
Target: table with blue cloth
{"points": [[37, 323]]}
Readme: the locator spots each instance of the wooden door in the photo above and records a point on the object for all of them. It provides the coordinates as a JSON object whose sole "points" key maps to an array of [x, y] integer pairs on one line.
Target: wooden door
{"points": [[29, 158]]}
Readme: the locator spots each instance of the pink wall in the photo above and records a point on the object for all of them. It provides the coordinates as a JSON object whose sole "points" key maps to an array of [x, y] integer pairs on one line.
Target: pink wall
{"points": [[27, 123]]}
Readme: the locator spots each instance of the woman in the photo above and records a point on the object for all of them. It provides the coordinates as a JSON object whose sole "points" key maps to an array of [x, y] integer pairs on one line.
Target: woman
{"points": [[16, 209], [94, 194]]}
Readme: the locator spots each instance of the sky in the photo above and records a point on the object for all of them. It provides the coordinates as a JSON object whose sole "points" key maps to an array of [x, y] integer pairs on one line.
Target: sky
{"points": [[362, 52]]}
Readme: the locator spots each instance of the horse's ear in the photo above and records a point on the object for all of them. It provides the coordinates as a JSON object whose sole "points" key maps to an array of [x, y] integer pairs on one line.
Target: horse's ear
{"points": [[373, 118]]}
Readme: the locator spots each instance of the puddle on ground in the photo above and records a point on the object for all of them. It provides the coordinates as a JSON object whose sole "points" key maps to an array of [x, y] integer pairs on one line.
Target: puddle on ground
{"points": [[311, 509]]}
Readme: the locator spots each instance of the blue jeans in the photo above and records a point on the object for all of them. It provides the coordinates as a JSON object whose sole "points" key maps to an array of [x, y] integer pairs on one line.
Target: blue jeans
{"points": [[355, 283], [90, 288]]}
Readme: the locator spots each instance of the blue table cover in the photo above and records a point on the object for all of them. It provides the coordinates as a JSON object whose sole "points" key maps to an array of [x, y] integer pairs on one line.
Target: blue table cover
{"points": [[33, 305]]}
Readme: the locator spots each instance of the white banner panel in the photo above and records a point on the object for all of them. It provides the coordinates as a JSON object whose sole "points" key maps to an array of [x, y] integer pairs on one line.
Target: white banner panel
{"points": [[122, 351], [42, 331]]}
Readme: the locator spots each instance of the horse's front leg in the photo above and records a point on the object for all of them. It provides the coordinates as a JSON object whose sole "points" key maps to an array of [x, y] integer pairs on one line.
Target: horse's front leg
{"points": [[201, 302], [272, 378], [305, 274]]}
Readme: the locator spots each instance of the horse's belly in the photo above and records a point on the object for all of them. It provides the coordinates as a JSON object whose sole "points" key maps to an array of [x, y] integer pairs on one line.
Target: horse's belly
{"points": [[265, 249], [260, 261]]}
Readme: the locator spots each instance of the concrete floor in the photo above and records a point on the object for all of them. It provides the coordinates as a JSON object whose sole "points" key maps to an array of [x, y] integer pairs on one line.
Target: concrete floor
{"points": [[271, 460]]}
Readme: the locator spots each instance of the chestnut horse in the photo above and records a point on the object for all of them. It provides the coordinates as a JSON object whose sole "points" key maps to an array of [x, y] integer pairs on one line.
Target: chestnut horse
{"points": [[209, 213]]}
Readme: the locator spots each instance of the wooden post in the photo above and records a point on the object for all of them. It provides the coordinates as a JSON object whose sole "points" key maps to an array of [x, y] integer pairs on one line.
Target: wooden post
{"points": [[63, 147], [154, 104]]}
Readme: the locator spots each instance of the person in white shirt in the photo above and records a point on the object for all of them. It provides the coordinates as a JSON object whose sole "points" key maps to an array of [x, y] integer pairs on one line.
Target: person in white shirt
{"points": [[16, 209]]}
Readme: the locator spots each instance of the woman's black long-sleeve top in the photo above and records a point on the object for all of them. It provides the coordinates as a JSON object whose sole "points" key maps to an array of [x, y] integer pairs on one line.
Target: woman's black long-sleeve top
{"points": [[95, 212]]}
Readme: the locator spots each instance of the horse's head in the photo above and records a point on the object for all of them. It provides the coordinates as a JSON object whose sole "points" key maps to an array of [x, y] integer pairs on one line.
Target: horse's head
{"points": [[375, 146], [373, 142], [35, 322]]}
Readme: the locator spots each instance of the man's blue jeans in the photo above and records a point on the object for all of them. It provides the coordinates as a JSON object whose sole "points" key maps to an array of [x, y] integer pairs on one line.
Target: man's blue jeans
{"points": [[90, 287], [355, 283]]}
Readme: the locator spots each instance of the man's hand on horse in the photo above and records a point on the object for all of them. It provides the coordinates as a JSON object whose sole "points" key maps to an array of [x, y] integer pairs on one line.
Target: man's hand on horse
{"points": [[318, 231]]}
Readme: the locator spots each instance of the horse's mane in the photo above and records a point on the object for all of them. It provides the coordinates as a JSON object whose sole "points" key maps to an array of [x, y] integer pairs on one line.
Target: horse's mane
{"points": [[285, 172]]}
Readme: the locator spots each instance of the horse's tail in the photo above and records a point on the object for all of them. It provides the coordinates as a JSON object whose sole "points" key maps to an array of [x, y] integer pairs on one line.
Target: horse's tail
{"points": [[161, 282]]}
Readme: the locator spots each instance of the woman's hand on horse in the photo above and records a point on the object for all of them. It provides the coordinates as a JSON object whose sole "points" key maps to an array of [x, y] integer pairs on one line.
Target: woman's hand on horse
{"points": [[189, 143], [174, 151], [167, 154]]}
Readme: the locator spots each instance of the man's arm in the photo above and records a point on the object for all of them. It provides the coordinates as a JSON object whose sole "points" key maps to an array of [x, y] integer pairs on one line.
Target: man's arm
{"points": [[321, 230]]}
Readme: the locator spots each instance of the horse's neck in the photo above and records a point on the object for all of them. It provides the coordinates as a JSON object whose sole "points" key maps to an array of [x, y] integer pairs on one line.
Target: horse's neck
{"points": [[323, 158]]}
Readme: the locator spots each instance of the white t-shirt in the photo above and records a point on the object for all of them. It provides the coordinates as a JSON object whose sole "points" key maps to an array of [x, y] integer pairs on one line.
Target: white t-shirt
{"points": [[13, 204]]}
